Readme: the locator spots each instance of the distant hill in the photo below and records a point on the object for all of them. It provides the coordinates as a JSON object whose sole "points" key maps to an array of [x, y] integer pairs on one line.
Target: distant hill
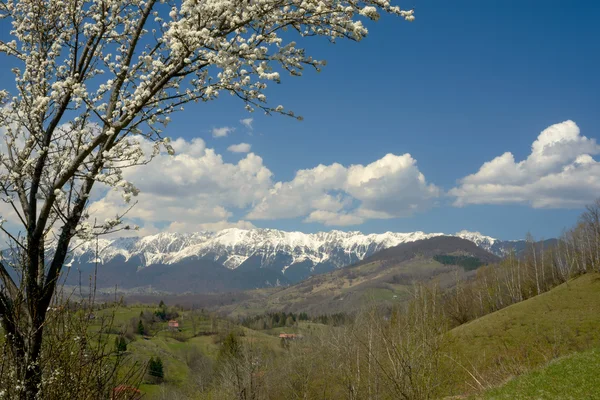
{"points": [[428, 248], [187, 276], [384, 278]]}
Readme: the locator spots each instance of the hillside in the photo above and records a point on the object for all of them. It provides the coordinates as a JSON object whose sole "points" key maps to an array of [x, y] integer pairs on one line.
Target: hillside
{"points": [[384, 278], [186, 352], [530, 333], [575, 377], [428, 248]]}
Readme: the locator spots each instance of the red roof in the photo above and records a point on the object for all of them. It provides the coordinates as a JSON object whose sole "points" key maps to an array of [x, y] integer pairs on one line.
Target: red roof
{"points": [[126, 392], [288, 335]]}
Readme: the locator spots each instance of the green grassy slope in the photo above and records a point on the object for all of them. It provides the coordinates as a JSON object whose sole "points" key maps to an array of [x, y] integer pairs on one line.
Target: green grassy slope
{"points": [[571, 377], [529, 334]]}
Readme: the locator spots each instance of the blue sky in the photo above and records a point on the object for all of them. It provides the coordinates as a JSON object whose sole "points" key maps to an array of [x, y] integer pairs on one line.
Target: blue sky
{"points": [[464, 83]]}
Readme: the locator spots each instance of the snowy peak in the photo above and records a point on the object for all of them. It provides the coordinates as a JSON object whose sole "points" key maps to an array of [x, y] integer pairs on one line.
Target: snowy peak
{"points": [[480, 240], [269, 248]]}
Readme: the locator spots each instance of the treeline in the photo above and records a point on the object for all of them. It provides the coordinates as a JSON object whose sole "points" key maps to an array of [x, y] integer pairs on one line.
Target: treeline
{"points": [[282, 319], [335, 319], [469, 263], [273, 320]]}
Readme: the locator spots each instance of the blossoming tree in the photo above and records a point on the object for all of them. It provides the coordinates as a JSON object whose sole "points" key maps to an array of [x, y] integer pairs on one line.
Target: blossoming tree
{"points": [[93, 78]]}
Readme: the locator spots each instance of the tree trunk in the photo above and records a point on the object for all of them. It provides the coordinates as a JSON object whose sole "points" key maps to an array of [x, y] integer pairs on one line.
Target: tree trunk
{"points": [[26, 350], [32, 376]]}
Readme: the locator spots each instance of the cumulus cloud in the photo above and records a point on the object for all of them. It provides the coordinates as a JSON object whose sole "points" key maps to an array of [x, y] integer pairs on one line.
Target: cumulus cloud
{"points": [[194, 188], [222, 132], [559, 172], [239, 148], [334, 194], [247, 122]]}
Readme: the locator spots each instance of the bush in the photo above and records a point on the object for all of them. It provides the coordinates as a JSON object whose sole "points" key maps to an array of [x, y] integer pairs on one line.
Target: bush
{"points": [[140, 328], [120, 344], [155, 370]]}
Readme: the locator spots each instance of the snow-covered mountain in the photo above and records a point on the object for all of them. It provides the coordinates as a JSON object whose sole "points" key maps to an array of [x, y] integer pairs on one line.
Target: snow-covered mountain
{"points": [[236, 258], [264, 248]]}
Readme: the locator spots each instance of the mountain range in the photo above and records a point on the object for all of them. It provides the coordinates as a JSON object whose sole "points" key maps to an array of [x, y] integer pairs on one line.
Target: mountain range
{"points": [[235, 259]]}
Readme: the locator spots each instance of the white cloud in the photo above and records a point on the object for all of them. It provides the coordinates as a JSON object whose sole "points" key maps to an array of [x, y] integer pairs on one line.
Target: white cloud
{"points": [[294, 198], [559, 172], [239, 148], [222, 132], [196, 190], [247, 122], [195, 187], [329, 218], [390, 187], [333, 194]]}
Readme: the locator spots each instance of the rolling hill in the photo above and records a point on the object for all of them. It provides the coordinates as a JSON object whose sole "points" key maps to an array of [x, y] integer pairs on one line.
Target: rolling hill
{"points": [[385, 278]]}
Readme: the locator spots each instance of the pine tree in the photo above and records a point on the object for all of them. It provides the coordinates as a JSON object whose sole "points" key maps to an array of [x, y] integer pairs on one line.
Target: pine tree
{"points": [[120, 344], [141, 330], [161, 312], [155, 368]]}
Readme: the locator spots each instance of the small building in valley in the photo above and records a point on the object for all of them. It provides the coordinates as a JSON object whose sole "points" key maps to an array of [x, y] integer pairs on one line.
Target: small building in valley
{"points": [[289, 336], [173, 325], [124, 392]]}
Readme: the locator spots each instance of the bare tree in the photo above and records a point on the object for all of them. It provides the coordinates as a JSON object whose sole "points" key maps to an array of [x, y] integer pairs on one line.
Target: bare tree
{"points": [[407, 349]]}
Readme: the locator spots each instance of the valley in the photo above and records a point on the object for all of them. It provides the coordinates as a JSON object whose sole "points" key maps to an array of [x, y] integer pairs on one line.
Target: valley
{"points": [[468, 321]]}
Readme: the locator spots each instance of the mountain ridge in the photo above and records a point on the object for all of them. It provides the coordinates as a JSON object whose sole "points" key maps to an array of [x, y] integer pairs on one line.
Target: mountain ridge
{"points": [[247, 258], [232, 247]]}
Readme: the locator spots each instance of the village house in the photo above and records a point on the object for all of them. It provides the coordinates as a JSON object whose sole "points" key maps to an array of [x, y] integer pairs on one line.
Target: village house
{"points": [[173, 325], [126, 392], [289, 336]]}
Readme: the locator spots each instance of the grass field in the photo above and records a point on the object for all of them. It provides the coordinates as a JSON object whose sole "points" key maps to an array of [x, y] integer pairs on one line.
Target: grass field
{"points": [[571, 377], [529, 334]]}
